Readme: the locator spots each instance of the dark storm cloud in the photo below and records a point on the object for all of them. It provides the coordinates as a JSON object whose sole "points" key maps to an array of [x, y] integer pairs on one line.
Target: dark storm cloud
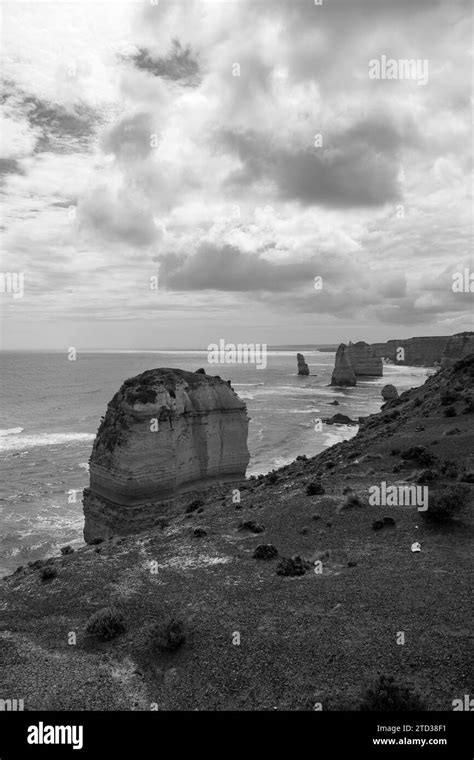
{"points": [[357, 167], [179, 65], [226, 268]]}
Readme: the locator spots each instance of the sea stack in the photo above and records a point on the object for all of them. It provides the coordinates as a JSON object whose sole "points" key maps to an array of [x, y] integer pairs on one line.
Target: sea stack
{"points": [[343, 374], [165, 432], [364, 361], [303, 368]]}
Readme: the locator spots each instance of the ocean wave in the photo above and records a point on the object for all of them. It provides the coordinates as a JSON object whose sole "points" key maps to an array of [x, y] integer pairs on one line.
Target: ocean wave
{"points": [[340, 433], [21, 442], [246, 385], [11, 431]]}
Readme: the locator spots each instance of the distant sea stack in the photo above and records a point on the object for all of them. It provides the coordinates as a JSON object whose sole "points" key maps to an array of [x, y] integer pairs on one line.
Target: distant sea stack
{"points": [[364, 361], [303, 368], [343, 374], [165, 432]]}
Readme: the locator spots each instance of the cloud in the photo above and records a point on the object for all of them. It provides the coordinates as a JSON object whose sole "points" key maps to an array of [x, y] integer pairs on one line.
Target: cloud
{"points": [[184, 134], [178, 65], [357, 167]]}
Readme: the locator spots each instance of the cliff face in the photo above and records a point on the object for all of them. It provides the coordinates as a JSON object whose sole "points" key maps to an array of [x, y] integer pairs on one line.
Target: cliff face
{"points": [[457, 347], [303, 368], [426, 351], [165, 432], [343, 374], [364, 361]]}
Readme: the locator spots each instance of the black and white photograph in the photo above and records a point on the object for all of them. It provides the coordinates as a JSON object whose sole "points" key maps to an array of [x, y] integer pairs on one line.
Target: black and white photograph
{"points": [[237, 370]]}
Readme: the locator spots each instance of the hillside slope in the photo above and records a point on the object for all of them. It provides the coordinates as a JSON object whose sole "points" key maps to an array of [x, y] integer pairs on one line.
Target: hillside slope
{"points": [[320, 637]]}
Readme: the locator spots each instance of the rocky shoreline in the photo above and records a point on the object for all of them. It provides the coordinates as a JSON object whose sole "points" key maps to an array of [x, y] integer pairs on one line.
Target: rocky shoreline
{"points": [[314, 624]]}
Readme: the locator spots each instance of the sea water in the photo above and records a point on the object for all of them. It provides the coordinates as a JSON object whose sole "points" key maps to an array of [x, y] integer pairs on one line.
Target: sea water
{"points": [[51, 408]]}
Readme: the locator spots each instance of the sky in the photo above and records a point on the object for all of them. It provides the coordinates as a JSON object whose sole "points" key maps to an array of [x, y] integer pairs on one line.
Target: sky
{"points": [[175, 172]]}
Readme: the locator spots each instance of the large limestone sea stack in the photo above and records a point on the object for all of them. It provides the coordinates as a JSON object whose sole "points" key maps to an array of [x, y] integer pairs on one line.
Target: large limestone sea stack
{"points": [[343, 374], [165, 432]]}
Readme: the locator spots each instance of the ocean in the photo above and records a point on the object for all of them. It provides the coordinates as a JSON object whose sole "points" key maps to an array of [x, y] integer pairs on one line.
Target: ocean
{"points": [[51, 409]]}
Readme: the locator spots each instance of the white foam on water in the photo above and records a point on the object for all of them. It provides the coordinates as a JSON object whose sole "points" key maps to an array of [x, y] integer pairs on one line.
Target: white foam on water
{"points": [[340, 433], [11, 431], [21, 442]]}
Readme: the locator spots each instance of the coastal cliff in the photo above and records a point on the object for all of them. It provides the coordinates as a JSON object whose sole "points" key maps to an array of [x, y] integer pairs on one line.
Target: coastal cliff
{"points": [[426, 351], [203, 569], [165, 432], [458, 347]]}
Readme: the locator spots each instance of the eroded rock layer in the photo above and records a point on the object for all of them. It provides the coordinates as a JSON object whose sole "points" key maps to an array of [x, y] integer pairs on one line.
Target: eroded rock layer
{"points": [[343, 374], [364, 361], [426, 351], [165, 432]]}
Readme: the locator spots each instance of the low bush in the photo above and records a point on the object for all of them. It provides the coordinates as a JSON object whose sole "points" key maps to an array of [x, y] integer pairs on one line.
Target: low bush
{"points": [[450, 411], [419, 454], [315, 488], [106, 624], [193, 506], [167, 636], [386, 695], [48, 572], [445, 504]]}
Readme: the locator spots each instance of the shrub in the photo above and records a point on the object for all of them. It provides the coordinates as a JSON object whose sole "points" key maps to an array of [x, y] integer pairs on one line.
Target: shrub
{"points": [[301, 458], [48, 572], [419, 454], [67, 550], [168, 636], [330, 465], [352, 500], [251, 525], [387, 695], [292, 566], [448, 397], [426, 476], [315, 488], [450, 411], [193, 506], [265, 551], [446, 503], [272, 477], [450, 468], [106, 624], [378, 525]]}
